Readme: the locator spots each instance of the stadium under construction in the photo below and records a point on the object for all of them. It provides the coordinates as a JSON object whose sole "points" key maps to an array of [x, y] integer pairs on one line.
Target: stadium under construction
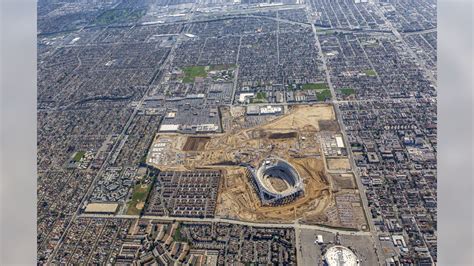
{"points": [[276, 182]]}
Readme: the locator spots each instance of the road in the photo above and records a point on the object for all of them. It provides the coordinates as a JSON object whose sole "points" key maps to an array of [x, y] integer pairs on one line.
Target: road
{"points": [[294, 225], [420, 32], [360, 187]]}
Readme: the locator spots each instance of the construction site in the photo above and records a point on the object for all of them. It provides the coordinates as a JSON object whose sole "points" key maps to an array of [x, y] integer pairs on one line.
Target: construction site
{"points": [[293, 137]]}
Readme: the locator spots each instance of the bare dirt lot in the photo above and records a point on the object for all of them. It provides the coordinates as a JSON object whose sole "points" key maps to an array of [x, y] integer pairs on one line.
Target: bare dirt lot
{"points": [[290, 135], [344, 181], [328, 125], [301, 117], [338, 164], [238, 200], [195, 143], [293, 137], [278, 184]]}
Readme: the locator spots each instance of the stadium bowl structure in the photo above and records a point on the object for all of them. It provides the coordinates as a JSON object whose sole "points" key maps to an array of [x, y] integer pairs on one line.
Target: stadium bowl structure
{"points": [[271, 172]]}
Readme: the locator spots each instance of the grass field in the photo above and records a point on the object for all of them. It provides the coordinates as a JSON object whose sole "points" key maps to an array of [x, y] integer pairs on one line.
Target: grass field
{"points": [[119, 15], [192, 72], [347, 91], [315, 86], [78, 156], [140, 193], [322, 90], [260, 97], [370, 73], [323, 95]]}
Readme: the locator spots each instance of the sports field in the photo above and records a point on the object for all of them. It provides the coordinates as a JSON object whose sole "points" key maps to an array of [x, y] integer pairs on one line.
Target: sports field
{"points": [[136, 204]]}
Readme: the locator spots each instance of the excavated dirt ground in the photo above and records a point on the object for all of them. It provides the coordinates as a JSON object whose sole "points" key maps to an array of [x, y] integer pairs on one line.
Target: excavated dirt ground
{"points": [[293, 137]]}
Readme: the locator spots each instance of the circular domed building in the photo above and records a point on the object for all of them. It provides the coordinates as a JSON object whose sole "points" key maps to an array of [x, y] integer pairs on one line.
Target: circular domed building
{"points": [[340, 256]]}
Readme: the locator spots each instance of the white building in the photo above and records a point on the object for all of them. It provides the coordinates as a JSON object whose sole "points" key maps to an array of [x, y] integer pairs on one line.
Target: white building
{"points": [[169, 128]]}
